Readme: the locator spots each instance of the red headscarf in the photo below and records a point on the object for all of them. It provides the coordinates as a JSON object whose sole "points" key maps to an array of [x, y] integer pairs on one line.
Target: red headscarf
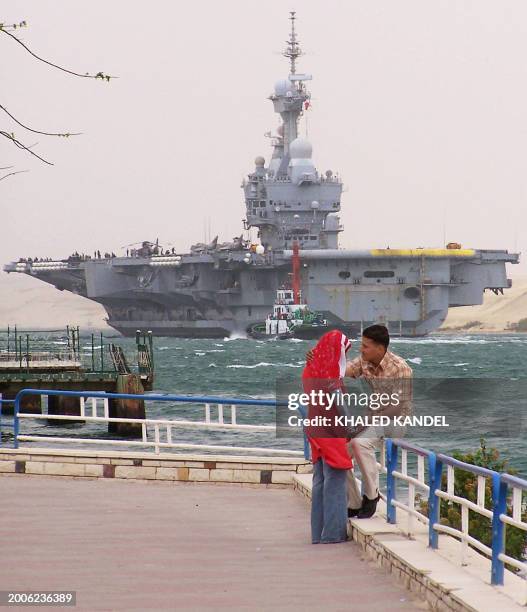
{"points": [[325, 372]]}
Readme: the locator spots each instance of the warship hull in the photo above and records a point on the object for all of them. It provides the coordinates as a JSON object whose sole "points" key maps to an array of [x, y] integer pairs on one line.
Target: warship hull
{"points": [[217, 295]]}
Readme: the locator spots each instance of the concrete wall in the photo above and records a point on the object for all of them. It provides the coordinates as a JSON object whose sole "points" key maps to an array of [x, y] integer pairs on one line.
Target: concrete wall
{"points": [[143, 466]]}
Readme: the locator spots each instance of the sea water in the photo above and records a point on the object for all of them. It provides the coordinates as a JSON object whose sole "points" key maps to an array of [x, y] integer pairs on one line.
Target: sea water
{"points": [[239, 367]]}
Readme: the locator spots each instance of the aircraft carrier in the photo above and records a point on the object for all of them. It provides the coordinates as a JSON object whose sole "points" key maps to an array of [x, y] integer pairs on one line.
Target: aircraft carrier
{"points": [[217, 289]]}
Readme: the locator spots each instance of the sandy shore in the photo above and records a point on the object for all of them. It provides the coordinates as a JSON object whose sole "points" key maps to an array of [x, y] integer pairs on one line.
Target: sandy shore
{"points": [[495, 314], [32, 304]]}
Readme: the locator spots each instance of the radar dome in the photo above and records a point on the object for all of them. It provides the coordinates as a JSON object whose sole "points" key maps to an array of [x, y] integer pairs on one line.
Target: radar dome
{"points": [[259, 161], [300, 148], [282, 87], [332, 223]]}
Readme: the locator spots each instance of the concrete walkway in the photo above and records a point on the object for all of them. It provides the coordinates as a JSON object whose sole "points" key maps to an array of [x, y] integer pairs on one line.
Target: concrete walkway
{"points": [[135, 545]]}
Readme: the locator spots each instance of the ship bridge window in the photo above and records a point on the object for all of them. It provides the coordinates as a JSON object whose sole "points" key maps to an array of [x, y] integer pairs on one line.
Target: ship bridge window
{"points": [[312, 237], [379, 274], [344, 274]]}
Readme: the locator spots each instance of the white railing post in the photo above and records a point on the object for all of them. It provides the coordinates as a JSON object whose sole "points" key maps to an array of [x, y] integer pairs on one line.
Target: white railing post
{"points": [[83, 407], [156, 439], [207, 413], [517, 504], [220, 413], [233, 414], [464, 530], [450, 480], [421, 468], [411, 505], [481, 491]]}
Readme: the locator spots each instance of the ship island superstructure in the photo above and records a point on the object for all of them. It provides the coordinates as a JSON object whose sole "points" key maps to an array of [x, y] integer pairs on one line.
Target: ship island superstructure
{"points": [[217, 289]]}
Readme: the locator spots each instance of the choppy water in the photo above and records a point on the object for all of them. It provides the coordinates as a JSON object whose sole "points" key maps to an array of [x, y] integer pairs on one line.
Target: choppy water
{"points": [[245, 368]]}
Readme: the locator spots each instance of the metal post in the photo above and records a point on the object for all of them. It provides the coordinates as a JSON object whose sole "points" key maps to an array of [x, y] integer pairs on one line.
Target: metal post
{"points": [[8, 334], [16, 345], [391, 465], [435, 475], [92, 354], [151, 343], [27, 353], [16, 420], [68, 334], [20, 350], [78, 342], [102, 355], [499, 506], [307, 448], [71, 354]]}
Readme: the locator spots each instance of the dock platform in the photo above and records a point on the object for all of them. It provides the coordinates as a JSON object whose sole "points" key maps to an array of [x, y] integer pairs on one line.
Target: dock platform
{"points": [[139, 545]]}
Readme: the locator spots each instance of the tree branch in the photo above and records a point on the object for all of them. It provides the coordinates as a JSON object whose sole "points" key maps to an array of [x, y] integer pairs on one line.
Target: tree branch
{"points": [[12, 173], [99, 75], [65, 135], [20, 145]]}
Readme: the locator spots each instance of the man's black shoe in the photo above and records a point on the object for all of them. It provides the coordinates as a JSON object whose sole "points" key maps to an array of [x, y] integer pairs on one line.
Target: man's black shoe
{"points": [[368, 507], [352, 512]]}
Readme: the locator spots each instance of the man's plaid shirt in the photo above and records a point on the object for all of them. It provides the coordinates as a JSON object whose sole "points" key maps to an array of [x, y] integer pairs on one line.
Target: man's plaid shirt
{"points": [[392, 375]]}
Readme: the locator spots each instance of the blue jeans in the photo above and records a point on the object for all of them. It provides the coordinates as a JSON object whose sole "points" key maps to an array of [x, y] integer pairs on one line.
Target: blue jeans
{"points": [[329, 514]]}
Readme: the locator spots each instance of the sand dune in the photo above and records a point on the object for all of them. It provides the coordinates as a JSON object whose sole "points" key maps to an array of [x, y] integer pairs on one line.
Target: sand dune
{"points": [[496, 312], [32, 304]]}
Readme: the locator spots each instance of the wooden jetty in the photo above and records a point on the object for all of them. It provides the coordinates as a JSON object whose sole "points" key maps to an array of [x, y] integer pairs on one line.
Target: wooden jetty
{"points": [[29, 361]]}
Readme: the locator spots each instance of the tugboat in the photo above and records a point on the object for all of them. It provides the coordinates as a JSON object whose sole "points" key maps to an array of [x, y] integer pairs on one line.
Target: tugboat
{"points": [[291, 318]]}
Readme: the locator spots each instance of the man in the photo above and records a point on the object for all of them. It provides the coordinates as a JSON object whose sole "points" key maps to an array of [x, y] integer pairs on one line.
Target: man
{"points": [[385, 373]]}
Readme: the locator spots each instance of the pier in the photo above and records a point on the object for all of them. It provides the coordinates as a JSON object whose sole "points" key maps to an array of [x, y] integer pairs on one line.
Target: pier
{"points": [[138, 545], [29, 360]]}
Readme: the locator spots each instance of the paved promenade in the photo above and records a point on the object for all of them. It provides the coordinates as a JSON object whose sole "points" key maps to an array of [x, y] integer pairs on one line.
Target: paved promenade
{"points": [[135, 545]]}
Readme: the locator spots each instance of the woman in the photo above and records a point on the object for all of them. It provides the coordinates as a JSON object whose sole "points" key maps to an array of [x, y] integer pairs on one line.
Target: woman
{"points": [[325, 372]]}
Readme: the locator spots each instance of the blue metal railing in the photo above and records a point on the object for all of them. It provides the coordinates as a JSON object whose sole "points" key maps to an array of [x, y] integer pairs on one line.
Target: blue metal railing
{"points": [[501, 484], [167, 425]]}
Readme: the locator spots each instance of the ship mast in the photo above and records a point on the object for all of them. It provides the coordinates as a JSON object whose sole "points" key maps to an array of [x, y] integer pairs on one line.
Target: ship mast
{"points": [[289, 98], [292, 51]]}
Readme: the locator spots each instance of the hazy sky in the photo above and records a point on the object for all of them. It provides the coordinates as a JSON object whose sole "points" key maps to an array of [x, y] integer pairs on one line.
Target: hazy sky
{"points": [[419, 105]]}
